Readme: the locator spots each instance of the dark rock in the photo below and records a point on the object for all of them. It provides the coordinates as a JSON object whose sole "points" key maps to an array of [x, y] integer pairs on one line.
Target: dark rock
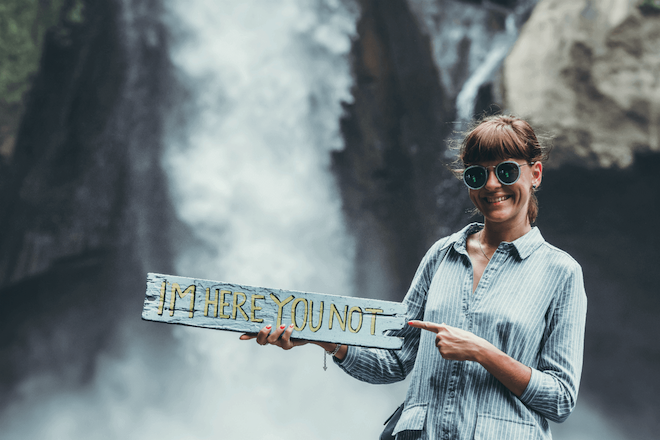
{"points": [[87, 205], [392, 168]]}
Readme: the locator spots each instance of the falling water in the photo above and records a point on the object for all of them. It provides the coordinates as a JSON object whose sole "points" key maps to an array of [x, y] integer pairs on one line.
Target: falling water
{"points": [[250, 176], [486, 69]]}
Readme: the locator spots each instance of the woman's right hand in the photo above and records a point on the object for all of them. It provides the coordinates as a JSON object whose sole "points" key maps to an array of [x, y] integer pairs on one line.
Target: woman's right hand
{"points": [[280, 336]]}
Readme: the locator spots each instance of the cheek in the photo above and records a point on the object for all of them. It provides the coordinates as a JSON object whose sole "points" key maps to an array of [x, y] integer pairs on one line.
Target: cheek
{"points": [[474, 197]]}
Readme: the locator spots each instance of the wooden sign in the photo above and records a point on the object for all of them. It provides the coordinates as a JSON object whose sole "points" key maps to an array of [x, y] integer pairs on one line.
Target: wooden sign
{"points": [[315, 316]]}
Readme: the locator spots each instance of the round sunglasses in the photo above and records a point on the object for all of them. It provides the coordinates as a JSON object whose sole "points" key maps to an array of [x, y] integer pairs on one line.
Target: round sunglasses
{"points": [[507, 172]]}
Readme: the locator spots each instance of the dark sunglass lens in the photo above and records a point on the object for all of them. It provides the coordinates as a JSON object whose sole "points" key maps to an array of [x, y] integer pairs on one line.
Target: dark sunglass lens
{"points": [[508, 172], [475, 177]]}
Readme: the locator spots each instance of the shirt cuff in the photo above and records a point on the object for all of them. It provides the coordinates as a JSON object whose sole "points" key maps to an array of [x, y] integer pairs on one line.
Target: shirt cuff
{"points": [[349, 360], [533, 387]]}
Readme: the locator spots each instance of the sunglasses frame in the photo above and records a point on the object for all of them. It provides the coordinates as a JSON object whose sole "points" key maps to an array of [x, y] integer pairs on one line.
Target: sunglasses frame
{"points": [[496, 175]]}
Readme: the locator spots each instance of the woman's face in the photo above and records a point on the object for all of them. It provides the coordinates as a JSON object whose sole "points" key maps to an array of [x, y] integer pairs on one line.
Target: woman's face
{"points": [[506, 204]]}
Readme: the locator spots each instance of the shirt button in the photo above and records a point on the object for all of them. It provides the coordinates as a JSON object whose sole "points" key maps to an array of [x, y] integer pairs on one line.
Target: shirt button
{"points": [[452, 394]]}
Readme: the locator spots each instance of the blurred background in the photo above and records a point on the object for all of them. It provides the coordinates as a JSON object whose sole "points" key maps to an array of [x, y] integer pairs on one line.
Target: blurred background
{"points": [[299, 144]]}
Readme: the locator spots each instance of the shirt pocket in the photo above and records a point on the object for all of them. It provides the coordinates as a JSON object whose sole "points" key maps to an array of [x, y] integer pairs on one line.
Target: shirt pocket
{"points": [[496, 428], [412, 418]]}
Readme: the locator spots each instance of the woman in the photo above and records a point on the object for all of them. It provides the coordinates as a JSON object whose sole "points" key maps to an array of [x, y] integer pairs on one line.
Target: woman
{"points": [[497, 315]]}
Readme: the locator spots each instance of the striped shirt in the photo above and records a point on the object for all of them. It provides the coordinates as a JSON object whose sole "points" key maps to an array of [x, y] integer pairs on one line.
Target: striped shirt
{"points": [[530, 303]]}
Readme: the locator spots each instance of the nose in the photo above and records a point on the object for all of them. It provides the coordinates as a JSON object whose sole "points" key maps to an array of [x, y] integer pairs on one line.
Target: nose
{"points": [[491, 180]]}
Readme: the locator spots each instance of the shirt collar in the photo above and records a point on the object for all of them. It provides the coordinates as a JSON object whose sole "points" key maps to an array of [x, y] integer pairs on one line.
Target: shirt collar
{"points": [[524, 245]]}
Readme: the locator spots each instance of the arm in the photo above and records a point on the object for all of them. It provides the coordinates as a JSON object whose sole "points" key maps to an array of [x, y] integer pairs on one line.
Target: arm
{"points": [[554, 383], [460, 345]]}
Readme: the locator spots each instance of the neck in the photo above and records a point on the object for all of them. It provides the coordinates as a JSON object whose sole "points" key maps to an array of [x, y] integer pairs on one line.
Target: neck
{"points": [[495, 233]]}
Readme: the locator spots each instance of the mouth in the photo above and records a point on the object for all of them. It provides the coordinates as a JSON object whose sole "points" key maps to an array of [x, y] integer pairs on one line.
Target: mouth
{"points": [[497, 199]]}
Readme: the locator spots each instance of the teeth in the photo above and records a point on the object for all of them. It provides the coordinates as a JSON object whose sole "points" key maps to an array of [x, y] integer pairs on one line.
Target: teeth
{"points": [[497, 199]]}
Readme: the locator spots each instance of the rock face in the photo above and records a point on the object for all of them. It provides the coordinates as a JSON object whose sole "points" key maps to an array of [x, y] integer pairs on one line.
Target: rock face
{"points": [[588, 71], [398, 196], [84, 202]]}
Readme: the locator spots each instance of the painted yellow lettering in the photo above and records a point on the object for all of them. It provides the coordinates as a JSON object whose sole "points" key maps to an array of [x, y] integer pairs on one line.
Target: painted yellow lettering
{"points": [[255, 308], [357, 310], [223, 303], [334, 312], [210, 302], [373, 318], [161, 304], [280, 305], [311, 319], [176, 290], [294, 304], [237, 307]]}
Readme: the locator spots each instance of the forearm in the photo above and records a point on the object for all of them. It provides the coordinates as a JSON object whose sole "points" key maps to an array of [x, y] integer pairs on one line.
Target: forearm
{"points": [[511, 373]]}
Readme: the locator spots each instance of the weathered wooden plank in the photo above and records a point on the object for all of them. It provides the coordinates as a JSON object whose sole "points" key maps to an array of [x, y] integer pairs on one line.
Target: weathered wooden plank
{"points": [[316, 316]]}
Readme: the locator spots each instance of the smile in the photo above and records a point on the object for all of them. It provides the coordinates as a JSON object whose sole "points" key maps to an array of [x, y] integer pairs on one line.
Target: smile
{"points": [[497, 199]]}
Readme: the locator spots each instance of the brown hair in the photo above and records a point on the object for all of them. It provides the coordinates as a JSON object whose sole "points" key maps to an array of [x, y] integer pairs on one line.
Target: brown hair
{"points": [[504, 137]]}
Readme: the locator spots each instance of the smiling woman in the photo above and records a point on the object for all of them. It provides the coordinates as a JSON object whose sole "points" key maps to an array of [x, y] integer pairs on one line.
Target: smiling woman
{"points": [[495, 294]]}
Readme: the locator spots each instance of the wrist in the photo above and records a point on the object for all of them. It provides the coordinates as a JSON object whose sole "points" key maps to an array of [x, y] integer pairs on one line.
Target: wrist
{"points": [[484, 352], [334, 351]]}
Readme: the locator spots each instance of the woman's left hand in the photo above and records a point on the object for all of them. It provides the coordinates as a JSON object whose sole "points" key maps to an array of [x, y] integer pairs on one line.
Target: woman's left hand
{"points": [[453, 343], [280, 337]]}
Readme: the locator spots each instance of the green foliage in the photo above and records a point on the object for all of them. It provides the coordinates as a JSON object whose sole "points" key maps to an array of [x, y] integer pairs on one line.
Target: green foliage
{"points": [[652, 6], [23, 24]]}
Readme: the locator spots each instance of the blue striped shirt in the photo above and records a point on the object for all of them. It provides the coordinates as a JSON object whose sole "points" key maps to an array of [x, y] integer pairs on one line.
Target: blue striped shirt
{"points": [[530, 303]]}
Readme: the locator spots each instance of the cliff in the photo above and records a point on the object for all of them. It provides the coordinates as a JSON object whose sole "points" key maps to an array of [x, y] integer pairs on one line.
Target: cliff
{"points": [[85, 209], [595, 81]]}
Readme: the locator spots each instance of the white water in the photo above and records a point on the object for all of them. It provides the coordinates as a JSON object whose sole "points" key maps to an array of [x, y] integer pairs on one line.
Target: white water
{"points": [[252, 180], [502, 44]]}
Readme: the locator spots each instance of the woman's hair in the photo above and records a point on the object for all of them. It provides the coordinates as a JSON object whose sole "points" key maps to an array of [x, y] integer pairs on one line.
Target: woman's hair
{"points": [[503, 137]]}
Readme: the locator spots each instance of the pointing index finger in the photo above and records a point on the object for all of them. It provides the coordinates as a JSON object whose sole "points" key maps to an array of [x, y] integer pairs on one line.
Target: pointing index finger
{"points": [[426, 325]]}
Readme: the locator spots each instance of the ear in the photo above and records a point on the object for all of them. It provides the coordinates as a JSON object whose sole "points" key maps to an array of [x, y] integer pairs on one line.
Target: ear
{"points": [[537, 174]]}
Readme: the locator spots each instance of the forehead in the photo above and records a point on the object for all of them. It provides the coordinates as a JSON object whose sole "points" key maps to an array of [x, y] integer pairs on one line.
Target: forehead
{"points": [[491, 142]]}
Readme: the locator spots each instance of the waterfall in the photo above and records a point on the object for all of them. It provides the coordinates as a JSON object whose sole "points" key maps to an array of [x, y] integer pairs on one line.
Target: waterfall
{"points": [[502, 44], [250, 176]]}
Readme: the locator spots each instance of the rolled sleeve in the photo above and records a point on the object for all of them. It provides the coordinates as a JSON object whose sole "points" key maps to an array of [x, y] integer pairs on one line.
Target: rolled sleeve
{"points": [[553, 387]]}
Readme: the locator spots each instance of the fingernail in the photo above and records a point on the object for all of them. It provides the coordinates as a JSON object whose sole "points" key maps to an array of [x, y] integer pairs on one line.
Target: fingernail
{"points": [[291, 326], [282, 327], [269, 327]]}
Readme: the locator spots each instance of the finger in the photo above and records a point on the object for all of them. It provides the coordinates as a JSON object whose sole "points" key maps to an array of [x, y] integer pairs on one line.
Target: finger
{"points": [[286, 342], [426, 325], [247, 336], [275, 335], [263, 335]]}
